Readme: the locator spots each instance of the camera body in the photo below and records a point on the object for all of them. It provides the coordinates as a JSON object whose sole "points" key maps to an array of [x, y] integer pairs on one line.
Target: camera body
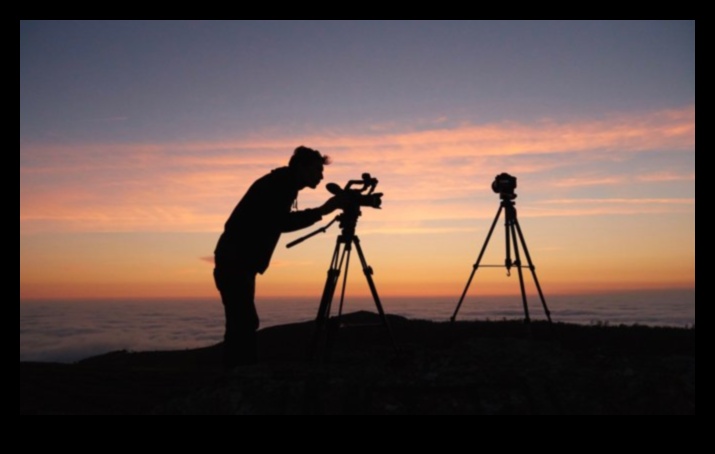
{"points": [[504, 185], [352, 199]]}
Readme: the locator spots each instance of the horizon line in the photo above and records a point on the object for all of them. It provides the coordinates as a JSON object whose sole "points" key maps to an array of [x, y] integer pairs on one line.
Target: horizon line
{"points": [[360, 296]]}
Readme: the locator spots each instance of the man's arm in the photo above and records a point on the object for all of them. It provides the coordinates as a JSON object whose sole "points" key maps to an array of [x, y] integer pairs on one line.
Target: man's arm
{"points": [[297, 220]]}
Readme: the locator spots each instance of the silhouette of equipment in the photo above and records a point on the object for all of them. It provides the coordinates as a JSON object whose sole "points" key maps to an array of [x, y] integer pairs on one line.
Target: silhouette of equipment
{"points": [[350, 201], [504, 184]]}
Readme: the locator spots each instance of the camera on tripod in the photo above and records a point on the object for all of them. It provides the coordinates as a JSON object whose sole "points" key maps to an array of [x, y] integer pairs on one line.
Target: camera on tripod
{"points": [[349, 200], [504, 185], [352, 199], [355, 194]]}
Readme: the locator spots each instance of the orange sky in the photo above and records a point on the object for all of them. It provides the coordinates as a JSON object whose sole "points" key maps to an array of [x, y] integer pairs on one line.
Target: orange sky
{"points": [[604, 204], [138, 138]]}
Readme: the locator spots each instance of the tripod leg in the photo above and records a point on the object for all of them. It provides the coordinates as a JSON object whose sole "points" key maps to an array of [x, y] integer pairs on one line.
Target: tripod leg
{"points": [[533, 271], [507, 224], [368, 274], [348, 250], [334, 323], [329, 288], [521, 274], [323, 316], [476, 264]]}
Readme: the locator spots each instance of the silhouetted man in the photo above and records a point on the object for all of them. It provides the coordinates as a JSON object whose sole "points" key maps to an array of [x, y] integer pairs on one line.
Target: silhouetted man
{"points": [[250, 235]]}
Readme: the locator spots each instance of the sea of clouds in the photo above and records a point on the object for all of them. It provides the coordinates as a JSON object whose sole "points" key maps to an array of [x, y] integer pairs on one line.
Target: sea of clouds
{"points": [[68, 331]]}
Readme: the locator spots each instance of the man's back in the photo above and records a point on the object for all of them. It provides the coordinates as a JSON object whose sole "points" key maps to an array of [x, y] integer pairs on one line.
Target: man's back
{"points": [[252, 231]]}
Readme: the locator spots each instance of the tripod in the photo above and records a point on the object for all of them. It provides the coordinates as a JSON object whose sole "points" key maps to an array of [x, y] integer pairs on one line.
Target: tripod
{"points": [[325, 326], [512, 228]]}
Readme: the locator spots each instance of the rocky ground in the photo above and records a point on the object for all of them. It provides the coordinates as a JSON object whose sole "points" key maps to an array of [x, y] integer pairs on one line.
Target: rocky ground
{"points": [[478, 367]]}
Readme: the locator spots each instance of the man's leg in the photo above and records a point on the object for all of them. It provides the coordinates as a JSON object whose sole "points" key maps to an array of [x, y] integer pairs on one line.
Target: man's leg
{"points": [[237, 294]]}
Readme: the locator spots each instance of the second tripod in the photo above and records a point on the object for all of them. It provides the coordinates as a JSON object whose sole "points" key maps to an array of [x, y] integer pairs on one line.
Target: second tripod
{"points": [[504, 184]]}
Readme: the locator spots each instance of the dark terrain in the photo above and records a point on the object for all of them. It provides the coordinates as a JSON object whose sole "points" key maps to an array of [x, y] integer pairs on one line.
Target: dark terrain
{"points": [[477, 367]]}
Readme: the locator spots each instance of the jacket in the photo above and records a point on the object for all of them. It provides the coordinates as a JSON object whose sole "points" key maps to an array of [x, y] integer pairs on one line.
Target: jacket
{"points": [[252, 231]]}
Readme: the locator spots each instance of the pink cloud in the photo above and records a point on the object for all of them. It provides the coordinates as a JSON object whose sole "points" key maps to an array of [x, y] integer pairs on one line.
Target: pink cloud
{"points": [[666, 176], [192, 186]]}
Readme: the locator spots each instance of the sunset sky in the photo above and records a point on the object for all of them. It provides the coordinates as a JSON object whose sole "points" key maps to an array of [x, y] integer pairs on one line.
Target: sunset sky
{"points": [[138, 138]]}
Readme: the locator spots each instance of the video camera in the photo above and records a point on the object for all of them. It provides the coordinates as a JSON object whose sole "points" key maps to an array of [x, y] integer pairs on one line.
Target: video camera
{"points": [[352, 199]]}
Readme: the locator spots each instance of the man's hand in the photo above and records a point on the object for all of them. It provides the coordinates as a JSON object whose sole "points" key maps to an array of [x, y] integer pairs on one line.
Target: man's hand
{"points": [[330, 205]]}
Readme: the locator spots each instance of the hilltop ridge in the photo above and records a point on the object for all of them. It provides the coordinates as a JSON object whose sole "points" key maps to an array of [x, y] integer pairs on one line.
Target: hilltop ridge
{"points": [[466, 367]]}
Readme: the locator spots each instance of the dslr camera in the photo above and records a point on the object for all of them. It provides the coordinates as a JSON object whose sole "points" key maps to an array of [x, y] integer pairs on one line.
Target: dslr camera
{"points": [[504, 185]]}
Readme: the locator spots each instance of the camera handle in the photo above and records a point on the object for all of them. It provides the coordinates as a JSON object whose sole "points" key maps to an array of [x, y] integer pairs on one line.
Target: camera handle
{"points": [[311, 234]]}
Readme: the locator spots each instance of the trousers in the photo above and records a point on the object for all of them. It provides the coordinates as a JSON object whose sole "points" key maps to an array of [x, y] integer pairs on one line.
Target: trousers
{"points": [[237, 288]]}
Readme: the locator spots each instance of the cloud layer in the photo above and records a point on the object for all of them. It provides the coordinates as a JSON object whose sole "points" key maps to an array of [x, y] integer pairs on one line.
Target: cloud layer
{"points": [[436, 171], [71, 331]]}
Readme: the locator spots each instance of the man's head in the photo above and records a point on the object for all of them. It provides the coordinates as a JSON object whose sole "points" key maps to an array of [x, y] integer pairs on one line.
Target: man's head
{"points": [[308, 166]]}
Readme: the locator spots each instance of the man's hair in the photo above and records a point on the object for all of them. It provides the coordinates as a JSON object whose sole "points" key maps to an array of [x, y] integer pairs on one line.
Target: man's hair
{"points": [[304, 156]]}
